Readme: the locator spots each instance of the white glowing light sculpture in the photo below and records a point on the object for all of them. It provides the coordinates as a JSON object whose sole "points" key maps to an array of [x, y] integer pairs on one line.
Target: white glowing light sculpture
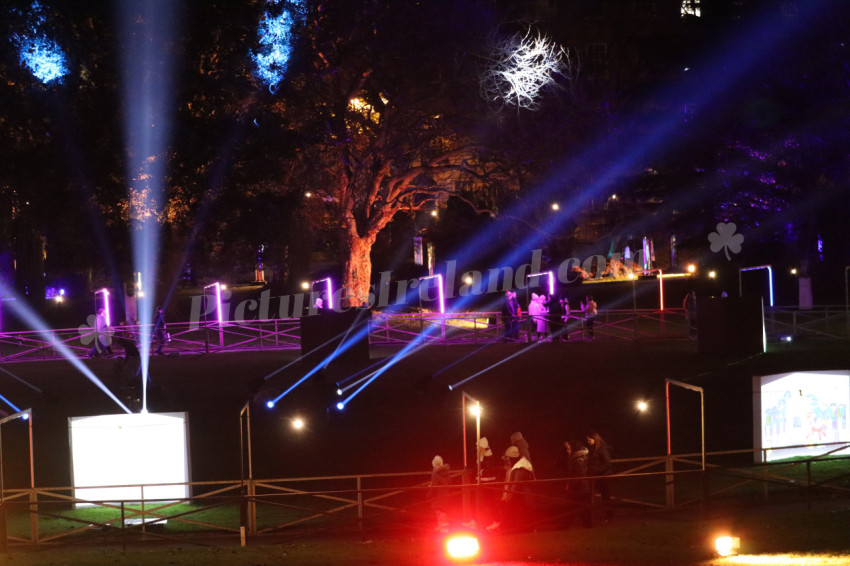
{"points": [[521, 67], [121, 457]]}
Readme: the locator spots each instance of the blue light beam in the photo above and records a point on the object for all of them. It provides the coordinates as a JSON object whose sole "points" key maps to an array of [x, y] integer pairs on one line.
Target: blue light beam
{"points": [[149, 31], [35, 322]]}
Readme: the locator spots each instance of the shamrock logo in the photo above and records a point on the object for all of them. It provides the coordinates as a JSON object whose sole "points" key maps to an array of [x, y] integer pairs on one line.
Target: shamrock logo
{"points": [[726, 238], [88, 332]]}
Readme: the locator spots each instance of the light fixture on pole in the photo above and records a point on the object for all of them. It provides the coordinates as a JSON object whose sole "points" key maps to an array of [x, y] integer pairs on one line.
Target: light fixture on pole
{"points": [[474, 409]]}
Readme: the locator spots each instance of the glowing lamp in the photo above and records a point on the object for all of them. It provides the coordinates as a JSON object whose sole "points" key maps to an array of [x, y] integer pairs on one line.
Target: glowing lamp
{"points": [[461, 547], [26, 416], [339, 391], [642, 406], [712, 274], [467, 280], [297, 423], [340, 405], [475, 410], [305, 285], [556, 206], [270, 404], [692, 268], [794, 271], [727, 545], [434, 213], [223, 286], [308, 194]]}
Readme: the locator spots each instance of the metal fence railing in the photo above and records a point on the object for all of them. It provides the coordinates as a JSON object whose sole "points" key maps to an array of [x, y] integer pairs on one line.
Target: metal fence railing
{"points": [[257, 507], [399, 329]]}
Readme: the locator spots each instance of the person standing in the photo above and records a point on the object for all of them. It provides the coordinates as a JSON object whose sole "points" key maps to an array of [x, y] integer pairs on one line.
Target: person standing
{"points": [[160, 332], [522, 445], [102, 339], [514, 504], [690, 307], [565, 318], [511, 315], [599, 464], [589, 308], [439, 496], [578, 488]]}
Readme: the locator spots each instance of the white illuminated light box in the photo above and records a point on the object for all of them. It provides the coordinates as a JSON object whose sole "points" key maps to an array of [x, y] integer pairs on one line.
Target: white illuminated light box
{"points": [[804, 410], [130, 451]]}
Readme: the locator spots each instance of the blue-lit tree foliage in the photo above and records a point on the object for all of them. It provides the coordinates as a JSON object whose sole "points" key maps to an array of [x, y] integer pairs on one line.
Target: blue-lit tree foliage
{"points": [[275, 37], [38, 53]]}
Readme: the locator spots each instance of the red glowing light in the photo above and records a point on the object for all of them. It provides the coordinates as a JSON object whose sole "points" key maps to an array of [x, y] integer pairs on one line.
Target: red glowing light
{"points": [[462, 547]]}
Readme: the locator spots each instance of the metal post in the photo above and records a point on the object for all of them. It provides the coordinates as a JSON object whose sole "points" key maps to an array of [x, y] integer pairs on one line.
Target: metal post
{"points": [[33, 498], [669, 466]]}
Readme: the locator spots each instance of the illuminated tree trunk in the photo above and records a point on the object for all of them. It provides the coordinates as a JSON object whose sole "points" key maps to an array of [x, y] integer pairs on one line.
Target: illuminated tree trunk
{"points": [[357, 272]]}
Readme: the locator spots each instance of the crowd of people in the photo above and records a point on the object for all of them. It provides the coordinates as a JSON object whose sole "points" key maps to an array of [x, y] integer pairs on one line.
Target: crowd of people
{"points": [[511, 503], [548, 319]]}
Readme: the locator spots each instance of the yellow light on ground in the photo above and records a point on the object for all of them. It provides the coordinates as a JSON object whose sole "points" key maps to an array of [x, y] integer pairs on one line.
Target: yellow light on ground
{"points": [[712, 274], [297, 423], [642, 406], [692, 268], [727, 545], [785, 560], [462, 547]]}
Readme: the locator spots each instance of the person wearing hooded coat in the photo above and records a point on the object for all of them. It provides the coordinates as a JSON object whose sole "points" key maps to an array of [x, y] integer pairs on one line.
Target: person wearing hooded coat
{"points": [[514, 503]]}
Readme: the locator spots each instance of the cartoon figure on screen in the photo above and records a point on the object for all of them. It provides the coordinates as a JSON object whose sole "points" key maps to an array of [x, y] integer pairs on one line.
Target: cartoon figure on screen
{"points": [[816, 427]]}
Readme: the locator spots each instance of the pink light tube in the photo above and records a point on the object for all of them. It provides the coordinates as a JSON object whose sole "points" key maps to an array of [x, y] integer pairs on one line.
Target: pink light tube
{"points": [[217, 286], [550, 275], [441, 296], [107, 314], [329, 289]]}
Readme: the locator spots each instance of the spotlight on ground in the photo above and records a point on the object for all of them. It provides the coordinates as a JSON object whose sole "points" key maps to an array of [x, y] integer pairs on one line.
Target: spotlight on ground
{"points": [[462, 547], [727, 545]]}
